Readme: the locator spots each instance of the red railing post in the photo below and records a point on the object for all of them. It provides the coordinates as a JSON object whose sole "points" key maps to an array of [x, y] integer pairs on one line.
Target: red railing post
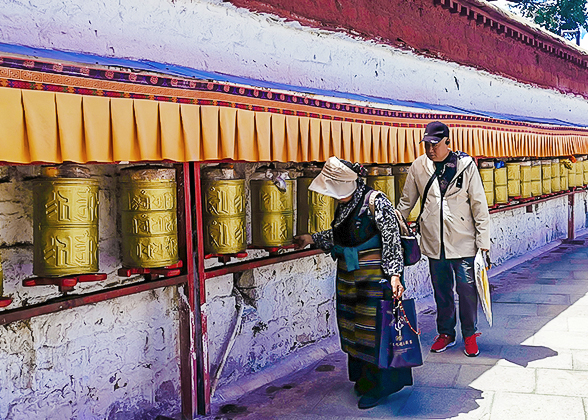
{"points": [[203, 374], [571, 224], [187, 301]]}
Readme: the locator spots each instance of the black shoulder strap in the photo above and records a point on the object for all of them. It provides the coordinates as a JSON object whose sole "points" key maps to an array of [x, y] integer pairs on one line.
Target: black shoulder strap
{"points": [[424, 199]]}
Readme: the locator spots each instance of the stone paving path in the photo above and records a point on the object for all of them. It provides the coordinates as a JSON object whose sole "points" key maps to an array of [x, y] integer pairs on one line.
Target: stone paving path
{"points": [[533, 362]]}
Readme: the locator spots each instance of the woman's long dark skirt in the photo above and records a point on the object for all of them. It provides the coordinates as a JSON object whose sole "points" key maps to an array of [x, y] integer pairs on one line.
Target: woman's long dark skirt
{"points": [[358, 296]]}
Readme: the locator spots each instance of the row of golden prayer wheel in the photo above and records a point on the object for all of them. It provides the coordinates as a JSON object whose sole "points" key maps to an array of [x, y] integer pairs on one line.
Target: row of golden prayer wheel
{"points": [[273, 205], [505, 181], [65, 219]]}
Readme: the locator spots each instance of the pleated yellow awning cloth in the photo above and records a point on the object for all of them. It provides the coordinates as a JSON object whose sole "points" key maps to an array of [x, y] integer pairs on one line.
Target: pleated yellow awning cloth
{"points": [[53, 127]]}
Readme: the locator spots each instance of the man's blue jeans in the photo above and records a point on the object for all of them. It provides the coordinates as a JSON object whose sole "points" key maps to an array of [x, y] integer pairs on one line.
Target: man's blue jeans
{"points": [[444, 273]]}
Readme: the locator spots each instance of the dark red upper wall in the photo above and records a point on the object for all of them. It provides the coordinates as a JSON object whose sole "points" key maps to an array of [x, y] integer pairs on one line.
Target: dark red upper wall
{"points": [[463, 31]]}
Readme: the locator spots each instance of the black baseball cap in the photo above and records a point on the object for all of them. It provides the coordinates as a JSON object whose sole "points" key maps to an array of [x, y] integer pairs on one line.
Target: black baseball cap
{"points": [[435, 132]]}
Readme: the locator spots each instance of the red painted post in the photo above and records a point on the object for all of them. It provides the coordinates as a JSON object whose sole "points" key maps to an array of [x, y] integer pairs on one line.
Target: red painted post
{"points": [[203, 377], [571, 224], [187, 297]]}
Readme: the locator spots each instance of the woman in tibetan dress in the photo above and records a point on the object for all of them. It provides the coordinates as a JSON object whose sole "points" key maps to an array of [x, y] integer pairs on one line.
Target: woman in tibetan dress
{"points": [[369, 268]]}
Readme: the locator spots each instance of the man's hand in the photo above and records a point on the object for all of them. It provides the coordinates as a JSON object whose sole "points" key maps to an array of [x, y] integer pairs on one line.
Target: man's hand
{"points": [[397, 288], [301, 241]]}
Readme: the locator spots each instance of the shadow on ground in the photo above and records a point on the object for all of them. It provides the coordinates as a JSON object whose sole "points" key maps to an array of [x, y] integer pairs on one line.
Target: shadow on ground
{"points": [[533, 362]]}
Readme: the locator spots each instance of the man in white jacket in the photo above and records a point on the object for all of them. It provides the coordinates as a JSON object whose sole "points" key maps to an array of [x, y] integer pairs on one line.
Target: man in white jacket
{"points": [[454, 224]]}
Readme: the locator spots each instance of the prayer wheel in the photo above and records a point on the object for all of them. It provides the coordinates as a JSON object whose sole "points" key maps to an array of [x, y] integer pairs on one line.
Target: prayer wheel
{"points": [[501, 185], [555, 176], [272, 208], [585, 166], [546, 176], [487, 174], [579, 172], [536, 184], [526, 179], [65, 222], [572, 176], [513, 174], [400, 173], [381, 178], [315, 211], [149, 217], [223, 210], [563, 176]]}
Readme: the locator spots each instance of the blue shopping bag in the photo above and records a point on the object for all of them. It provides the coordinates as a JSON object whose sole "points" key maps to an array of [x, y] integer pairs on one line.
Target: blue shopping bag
{"points": [[399, 344]]}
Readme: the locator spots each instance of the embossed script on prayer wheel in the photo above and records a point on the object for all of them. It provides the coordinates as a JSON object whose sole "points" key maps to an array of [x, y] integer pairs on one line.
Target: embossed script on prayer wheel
{"points": [[546, 176], [149, 217], [272, 213], [580, 172], [572, 182], [487, 175], [536, 178], [65, 222], [501, 185], [315, 211], [563, 176], [513, 170], [380, 178], [223, 201], [526, 179], [400, 174], [555, 176]]}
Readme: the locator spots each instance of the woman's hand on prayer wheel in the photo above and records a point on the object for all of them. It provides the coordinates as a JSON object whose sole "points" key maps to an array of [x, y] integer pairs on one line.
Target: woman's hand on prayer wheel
{"points": [[301, 241], [397, 287]]}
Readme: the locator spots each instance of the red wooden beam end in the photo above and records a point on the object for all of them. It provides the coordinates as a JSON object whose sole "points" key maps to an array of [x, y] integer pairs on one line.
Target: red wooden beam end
{"points": [[272, 250], [227, 257], [168, 271], [4, 302], [65, 284]]}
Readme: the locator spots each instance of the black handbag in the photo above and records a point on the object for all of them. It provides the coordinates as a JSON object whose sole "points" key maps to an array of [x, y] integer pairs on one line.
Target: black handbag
{"points": [[410, 245], [411, 251]]}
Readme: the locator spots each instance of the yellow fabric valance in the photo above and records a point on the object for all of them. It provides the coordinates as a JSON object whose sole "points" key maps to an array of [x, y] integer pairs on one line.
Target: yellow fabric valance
{"points": [[53, 127]]}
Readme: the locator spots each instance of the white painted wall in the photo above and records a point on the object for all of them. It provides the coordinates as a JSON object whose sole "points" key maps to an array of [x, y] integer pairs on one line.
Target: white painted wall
{"points": [[112, 360], [216, 36]]}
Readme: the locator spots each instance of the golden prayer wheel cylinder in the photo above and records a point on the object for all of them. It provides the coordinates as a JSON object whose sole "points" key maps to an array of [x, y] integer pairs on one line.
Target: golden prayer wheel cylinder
{"points": [[149, 217], [272, 212], [65, 222], [513, 174], [555, 176], [580, 172], [223, 210], [546, 176], [381, 178], [400, 173], [487, 175], [536, 183], [501, 185], [315, 211], [563, 176], [526, 179], [585, 166], [572, 176]]}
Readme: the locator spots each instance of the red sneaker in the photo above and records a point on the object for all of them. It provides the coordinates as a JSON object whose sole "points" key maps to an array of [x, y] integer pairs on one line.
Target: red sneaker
{"points": [[471, 347], [442, 342]]}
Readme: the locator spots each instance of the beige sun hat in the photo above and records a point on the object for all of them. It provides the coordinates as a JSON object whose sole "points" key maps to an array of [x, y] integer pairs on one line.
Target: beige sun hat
{"points": [[336, 180]]}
